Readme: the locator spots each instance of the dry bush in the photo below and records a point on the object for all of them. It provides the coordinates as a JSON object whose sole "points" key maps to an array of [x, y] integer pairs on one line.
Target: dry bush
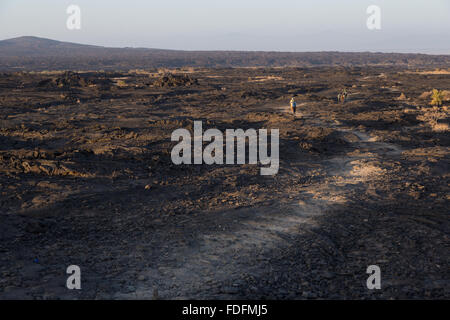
{"points": [[437, 97], [432, 116], [120, 83], [401, 97], [427, 94]]}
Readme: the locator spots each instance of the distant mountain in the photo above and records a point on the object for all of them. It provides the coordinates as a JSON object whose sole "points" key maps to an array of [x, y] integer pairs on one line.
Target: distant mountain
{"points": [[34, 46], [33, 53]]}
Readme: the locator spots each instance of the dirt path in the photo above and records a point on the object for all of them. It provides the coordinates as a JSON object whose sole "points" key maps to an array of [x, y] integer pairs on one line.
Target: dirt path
{"points": [[241, 241]]}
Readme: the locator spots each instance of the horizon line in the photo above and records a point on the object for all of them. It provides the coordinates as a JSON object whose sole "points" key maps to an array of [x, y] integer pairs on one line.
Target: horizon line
{"points": [[225, 50]]}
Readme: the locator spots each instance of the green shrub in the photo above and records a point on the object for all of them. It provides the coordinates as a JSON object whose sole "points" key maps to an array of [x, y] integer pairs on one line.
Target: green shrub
{"points": [[437, 97]]}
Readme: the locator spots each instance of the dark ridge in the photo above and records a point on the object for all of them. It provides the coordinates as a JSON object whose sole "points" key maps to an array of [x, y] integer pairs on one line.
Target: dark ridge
{"points": [[33, 53]]}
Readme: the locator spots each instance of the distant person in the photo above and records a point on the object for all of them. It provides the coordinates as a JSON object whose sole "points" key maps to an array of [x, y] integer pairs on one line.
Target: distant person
{"points": [[293, 105], [342, 96]]}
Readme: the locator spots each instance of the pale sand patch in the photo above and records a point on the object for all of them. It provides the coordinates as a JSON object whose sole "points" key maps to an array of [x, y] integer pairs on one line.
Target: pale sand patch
{"points": [[264, 78], [365, 170]]}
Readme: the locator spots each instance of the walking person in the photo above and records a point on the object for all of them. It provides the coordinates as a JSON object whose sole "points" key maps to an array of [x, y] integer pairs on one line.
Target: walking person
{"points": [[293, 106], [342, 96]]}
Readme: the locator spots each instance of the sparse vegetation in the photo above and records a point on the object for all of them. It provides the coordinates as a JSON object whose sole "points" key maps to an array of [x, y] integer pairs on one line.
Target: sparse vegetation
{"points": [[121, 83], [437, 98], [432, 116], [401, 97]]}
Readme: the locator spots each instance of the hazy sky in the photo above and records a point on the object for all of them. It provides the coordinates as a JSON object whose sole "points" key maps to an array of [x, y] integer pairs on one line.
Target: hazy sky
{"points": [[278, 25]]}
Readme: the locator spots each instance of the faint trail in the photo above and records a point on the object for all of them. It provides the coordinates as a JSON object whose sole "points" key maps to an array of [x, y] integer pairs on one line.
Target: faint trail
{"points": [[215, 266]]}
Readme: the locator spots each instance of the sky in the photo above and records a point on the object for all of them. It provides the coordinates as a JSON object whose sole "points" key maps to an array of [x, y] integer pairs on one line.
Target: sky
{"points": [[268, 25]]}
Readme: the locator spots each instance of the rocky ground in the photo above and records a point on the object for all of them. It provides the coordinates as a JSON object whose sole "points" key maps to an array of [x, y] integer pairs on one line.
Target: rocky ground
{"points": [[86, 178]]}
